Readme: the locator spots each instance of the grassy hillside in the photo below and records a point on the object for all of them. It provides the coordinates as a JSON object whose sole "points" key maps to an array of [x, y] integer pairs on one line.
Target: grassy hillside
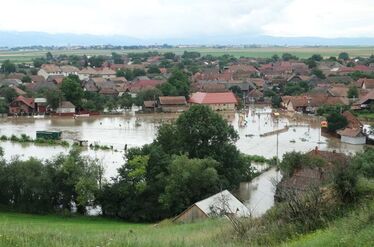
{"points": [[357, 229], [38, 231], [266, 52]]}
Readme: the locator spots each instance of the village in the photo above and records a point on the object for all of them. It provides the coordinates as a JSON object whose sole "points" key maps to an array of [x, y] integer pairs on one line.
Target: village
{"points": [[170, 83]]}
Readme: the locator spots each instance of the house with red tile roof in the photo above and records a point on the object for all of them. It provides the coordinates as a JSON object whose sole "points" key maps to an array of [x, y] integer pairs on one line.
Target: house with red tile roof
{"points": [[22, 106], [225, 101]]}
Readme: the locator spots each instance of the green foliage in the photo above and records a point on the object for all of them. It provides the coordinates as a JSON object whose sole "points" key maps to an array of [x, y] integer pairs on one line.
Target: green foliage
{"points": [[345, 181], [189, 180], [54, 97], [148, 94], [343, 56], [359, 74], [153, 70], [296, 88], [288, 56], [237, 91], [352, 92], [169, 55], [276, 101], [316, 57], [363, 162], [8, 93], [329, 109], [96, 61], [26, 78], [318, 73], [72, 90], [185, 163], [138, 72], [34, 186], [336, 121], [8, 67], [49, 56], [190, 55], [38, 62], [117, 58], [294, 160], [177, 85]]}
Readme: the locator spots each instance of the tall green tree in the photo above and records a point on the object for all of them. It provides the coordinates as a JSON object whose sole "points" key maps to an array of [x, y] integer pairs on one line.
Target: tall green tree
{"points": [[352, 92], [72, 90], [8, 67]]}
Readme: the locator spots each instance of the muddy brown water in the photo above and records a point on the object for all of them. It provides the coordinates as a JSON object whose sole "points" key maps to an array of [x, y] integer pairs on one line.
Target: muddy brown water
{"points": [[137, 129]]}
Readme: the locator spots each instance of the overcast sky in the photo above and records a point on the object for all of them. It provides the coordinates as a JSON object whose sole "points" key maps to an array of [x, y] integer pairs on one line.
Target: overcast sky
{"points": [[191, 18]]}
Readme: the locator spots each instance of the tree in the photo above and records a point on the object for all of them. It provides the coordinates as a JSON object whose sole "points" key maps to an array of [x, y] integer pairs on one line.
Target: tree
{"points": [[336, 121], [8, 93], [96, 61], [117, 58], [169, 55], [276, 101], [72, 90], [191, 55], [237, 91], [153, 70], [49, 56], [138, 72], [316, 57], [275, 58], [38, 62], [288, 56], [318, 73], [189, 180], [8, 67], [352, 92], [54, 97], [126, 101], [311, 63], [26, 78], [148, 94], [168, 89], [180, 81], [343, 56]]}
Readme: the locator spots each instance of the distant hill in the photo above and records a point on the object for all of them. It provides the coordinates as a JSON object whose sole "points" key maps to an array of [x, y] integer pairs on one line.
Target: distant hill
{"points": [[14, 39]]}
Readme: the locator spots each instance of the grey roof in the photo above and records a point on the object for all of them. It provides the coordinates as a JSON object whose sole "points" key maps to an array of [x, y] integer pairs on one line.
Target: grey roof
{"points": [[223, 202]]}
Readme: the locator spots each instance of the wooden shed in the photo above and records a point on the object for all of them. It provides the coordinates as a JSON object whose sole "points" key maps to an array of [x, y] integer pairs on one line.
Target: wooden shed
{"points": [[220, 204]]}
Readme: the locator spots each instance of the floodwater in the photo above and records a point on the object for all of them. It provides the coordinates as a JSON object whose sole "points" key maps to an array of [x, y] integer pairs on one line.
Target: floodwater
{"points": [[136, 130]]}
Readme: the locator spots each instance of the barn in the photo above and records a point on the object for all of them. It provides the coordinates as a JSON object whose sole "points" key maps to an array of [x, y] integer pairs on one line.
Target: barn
{"points": [[222, 203]]}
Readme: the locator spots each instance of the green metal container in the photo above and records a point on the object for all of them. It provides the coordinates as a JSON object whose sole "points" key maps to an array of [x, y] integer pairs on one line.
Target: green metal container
{"points": [[49, 135]]}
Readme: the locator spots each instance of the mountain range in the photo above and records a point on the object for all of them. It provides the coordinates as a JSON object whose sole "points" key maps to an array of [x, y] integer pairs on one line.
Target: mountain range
{"points": [[17, 39]]}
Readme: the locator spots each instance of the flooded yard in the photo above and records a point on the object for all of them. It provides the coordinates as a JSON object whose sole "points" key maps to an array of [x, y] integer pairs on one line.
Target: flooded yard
{"points": [[303, 134]]}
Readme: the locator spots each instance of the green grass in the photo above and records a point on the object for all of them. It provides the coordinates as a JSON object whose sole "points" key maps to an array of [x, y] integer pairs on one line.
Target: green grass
{"points": [[31, 230], [265, 52], [366, 116], [357, 229]]}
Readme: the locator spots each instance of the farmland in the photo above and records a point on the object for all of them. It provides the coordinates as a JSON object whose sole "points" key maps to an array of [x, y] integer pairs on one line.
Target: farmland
{"points": [[264, 52]]}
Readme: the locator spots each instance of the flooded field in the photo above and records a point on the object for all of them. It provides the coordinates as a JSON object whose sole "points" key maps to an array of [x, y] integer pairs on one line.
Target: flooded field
{"points": [[304, 134]]}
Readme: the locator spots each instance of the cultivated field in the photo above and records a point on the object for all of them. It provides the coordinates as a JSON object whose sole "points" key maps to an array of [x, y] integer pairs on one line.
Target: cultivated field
{"points": [[302, 52]]}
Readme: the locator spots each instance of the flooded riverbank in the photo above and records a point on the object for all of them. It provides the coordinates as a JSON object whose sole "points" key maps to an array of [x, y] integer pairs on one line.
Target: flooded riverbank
{"points": [[303, 134]]}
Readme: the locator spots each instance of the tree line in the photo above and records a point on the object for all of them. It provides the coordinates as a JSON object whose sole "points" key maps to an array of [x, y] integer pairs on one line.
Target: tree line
{"points": [[189, 160]]}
